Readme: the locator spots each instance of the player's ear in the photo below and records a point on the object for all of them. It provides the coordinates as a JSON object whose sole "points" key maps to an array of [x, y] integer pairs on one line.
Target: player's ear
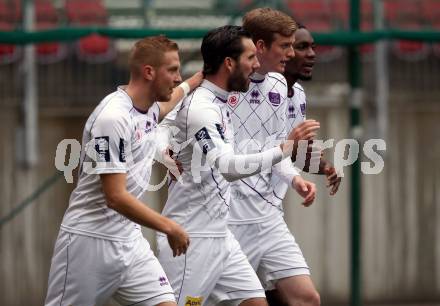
{"points": [[229, 63], [148, 72], [261, 46]]}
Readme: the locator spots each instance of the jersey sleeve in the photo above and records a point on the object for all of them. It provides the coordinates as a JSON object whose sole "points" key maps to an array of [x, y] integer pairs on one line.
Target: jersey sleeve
{"points": [[109, 148], [205, 125], [286, 171], [281, 123]]}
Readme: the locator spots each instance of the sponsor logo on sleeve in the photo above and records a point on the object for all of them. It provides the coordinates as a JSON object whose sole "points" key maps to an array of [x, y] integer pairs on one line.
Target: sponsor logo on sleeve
{"points": [[122, 157], [274, 98], [204, 140], [193, 301], [102, 148], [303, 109]]}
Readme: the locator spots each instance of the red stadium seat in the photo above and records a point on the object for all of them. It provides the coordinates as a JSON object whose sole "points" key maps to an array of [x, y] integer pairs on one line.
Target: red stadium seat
{"points": [[8, 53], [47, 18], [317, 18], [406, 15], [45, 11], [309, 10], [86, 12], [94, 44], [367, 49], [93, 48], [430, 10]]}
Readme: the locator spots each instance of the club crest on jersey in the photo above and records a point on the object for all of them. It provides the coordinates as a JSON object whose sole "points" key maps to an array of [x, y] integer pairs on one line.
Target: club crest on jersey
{"points": [[291, 111], [233, 100], [193, 301], [204, 140], [274, 98], [254, 97], [102, 147], [303, 109]]}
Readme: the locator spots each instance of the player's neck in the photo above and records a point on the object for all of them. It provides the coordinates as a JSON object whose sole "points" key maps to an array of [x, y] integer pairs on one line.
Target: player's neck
{"points": [[142, 99], [290, 80], [262, 71], [219, 80]]}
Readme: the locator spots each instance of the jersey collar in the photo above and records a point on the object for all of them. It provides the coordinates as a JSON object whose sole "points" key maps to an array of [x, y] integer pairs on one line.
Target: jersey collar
{"points": [[121, 89], [257, 78], [221, 94]]}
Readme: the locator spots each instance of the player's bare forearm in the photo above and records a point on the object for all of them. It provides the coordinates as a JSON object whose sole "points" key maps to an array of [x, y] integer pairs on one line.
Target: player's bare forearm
{"points": [[323, 165], [327, 169], [120, 200], [166, 107], [178, 94]]}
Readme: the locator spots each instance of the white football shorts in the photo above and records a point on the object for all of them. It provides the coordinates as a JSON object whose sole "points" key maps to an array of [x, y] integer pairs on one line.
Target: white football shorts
{"points": [[271, 250], [87, 271], [213, 270]]}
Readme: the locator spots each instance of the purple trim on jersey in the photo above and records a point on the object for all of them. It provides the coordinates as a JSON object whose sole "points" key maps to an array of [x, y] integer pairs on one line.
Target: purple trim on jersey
{"points": [[221, 99], [140, 111], [183, 280], [279, 80], [276, 196], [267, 201], [256, 81], [218, 187]]}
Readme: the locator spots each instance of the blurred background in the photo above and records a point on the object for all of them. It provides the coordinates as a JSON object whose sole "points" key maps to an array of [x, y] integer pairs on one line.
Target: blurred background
{"points": [[375, 242]]}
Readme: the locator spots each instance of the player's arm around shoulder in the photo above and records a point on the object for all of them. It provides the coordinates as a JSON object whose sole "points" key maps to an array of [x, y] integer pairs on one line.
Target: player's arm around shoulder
{"points": [[120, 200]]}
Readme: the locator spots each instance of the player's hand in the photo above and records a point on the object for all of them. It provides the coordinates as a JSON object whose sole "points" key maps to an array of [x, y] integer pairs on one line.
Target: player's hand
{"points": [[304, 131], [178, 239], [195, 80], [173, 165], [306, 189], [333, 180]]}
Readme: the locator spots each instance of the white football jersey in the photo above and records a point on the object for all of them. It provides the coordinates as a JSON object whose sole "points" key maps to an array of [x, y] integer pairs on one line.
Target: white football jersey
{"points": [[200, 201], [296, 113], [117, 138], [259, 120]]}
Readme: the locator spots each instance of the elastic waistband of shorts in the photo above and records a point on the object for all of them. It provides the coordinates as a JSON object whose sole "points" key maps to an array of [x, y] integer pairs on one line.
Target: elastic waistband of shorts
{"points": [[202, 234], [263, 219], [135, 235]]}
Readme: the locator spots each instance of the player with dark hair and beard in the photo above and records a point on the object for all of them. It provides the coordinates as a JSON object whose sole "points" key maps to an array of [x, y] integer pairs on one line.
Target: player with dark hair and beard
{"points": [[214, 269]]}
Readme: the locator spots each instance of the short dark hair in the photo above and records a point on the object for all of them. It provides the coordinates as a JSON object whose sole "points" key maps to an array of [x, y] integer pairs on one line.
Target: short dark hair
{"points": [[220, 43]]}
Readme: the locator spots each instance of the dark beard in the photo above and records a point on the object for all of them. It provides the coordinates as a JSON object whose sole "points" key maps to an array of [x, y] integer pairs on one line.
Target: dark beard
{"points": [[237, 82], [304, 77]]}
